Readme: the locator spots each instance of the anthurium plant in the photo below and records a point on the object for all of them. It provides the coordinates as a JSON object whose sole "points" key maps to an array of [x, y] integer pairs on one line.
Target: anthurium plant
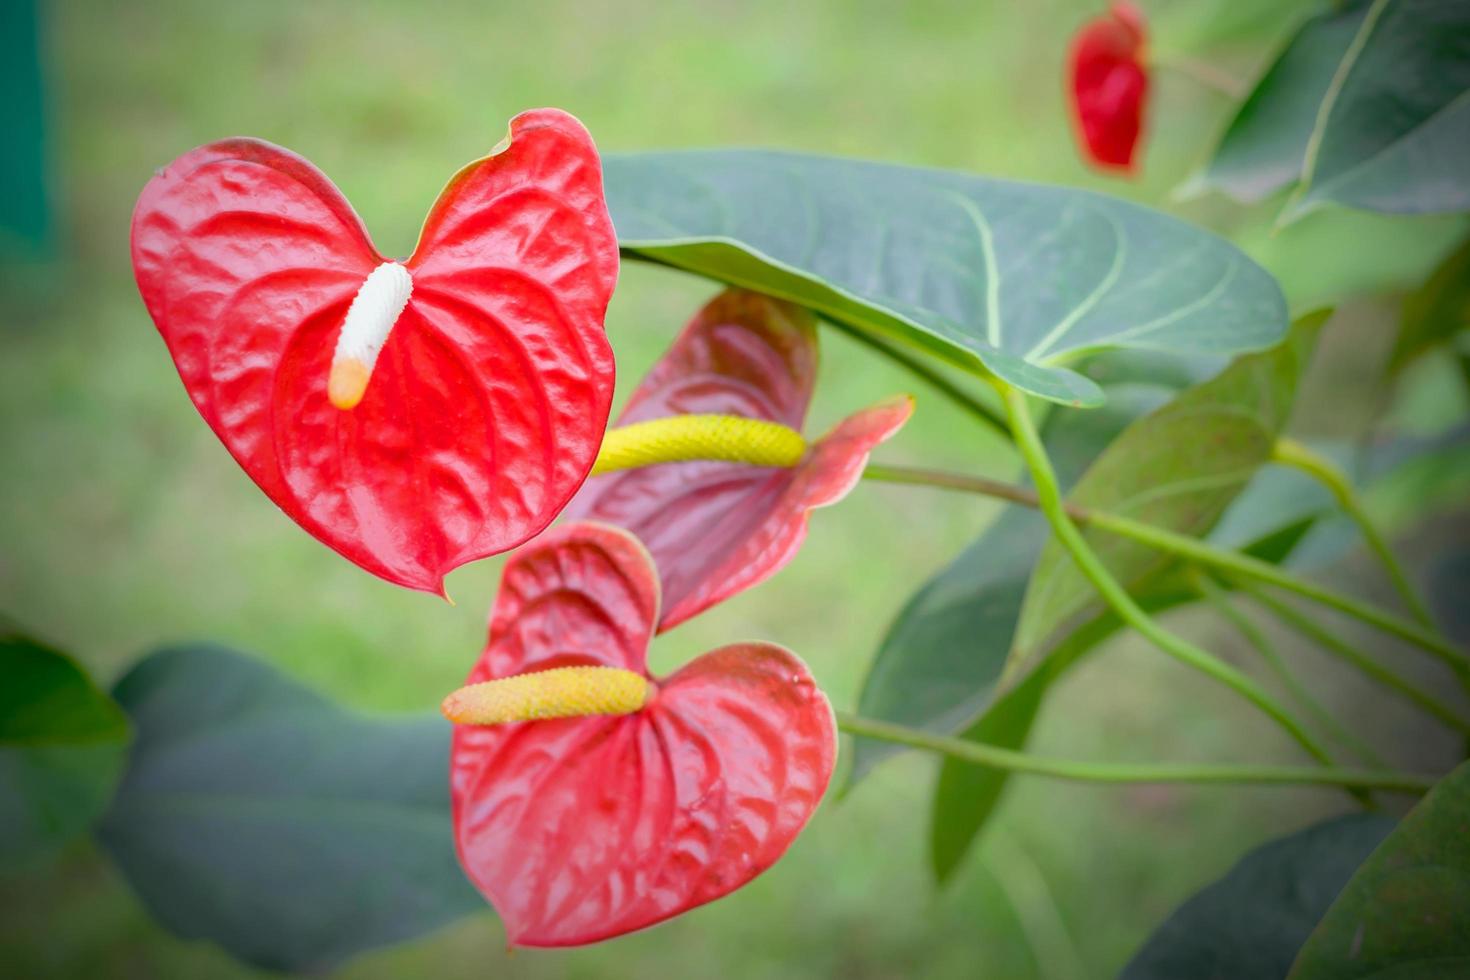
{"points": [[417, 414]]}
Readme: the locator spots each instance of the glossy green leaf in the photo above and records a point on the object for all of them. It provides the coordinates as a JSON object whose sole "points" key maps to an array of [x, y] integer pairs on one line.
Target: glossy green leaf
{"points": [[1179, 468], [260, 816], [1368, 106], [1392, 130], [1250, 924], [1405, 913], [1265, 145], [1436, 311], [1010, 277], [63, 744]]}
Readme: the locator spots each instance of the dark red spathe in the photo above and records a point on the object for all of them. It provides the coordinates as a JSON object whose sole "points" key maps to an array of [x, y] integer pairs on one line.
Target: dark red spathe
{"points": [[580, 829], [489, 399], [716, 528]]}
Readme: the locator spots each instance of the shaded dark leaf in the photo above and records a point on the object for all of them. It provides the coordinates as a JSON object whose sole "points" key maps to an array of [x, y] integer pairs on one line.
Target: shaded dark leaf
{"points": [[63, 743], [1406, 911], [1250, 924], [263, 817]]}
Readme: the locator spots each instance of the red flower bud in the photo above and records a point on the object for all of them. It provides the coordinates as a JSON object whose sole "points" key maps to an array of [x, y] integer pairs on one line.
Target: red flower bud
{"points": [[1109, 86]]}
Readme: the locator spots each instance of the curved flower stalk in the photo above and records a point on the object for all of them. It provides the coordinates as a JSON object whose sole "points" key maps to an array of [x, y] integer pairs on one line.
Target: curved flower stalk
{"points": [[411, 415], [591, 799], [1108, 85], [716, 528]]}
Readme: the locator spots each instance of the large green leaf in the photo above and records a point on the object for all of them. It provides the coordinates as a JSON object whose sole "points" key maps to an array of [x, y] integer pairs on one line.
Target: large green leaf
{"points": [[1014, 278], [1250, 924], [1392, 131], [1178, 468], [1263, 148], [1368, 106], [1406, 912], [263, 817], [62, 748]]}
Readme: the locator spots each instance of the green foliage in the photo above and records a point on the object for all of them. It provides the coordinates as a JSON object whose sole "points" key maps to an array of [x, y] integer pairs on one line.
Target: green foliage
{"points": [[1265, 145], [937, 666], [1013, 278], [1366, 107], [1250, 924], [62, 747], [1392, 129], [1406, 912], [1177, 468], [1436, 311], [263, 817]]}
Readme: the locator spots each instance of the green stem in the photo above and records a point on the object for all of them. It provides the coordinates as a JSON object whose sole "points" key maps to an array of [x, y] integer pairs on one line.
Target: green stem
{"points": [[1028, 442], [1184, 546], [1332, 643], [1289, 452], [966, 400], [1218, 598], [994, 757], [1263, 571]]}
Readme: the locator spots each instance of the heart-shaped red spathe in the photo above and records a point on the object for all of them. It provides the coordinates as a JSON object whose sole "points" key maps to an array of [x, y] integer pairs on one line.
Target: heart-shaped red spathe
{"points": [[488, 401], [716, 528], [580, 829], [1109, 86]]}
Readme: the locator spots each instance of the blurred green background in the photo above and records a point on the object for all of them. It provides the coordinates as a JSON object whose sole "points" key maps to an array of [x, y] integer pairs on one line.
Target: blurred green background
{"points": [[123, 523]]}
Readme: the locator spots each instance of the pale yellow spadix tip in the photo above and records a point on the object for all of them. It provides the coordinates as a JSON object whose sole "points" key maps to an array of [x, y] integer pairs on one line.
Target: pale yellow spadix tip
{"points": [[347, 382], [562, 692]]}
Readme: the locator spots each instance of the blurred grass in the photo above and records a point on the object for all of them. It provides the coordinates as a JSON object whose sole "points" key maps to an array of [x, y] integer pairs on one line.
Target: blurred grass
{"points": [[124, 524]]}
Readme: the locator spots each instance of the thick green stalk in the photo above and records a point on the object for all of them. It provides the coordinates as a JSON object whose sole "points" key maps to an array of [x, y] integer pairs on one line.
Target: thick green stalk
{"points": [[1218, 598], [1184, 546], [994, 757], [1289, 452], [1049, 494], [1332, 643]]}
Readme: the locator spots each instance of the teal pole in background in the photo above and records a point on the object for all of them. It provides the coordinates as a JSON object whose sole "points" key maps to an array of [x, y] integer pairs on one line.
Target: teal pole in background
{"points": [[26, 220]]}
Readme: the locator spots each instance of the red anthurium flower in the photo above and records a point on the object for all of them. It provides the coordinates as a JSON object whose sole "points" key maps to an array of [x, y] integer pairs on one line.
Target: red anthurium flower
{"points": [[1109, 86], [629, 799], [412, 415], [718, 528]]}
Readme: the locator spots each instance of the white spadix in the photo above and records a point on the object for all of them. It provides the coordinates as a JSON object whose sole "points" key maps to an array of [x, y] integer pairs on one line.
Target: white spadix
{"points": [[370, 318]]}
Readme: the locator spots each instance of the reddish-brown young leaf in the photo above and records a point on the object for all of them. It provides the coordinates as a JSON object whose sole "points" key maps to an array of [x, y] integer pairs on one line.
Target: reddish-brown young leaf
{"points": [[716, 528], [1108, 84], [579, 829], [487, 403]]}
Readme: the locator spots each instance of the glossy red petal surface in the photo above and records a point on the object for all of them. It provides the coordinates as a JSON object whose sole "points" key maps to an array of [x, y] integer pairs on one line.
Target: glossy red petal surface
{"points": [[715, 529], [489, 399], [1109, 86], [581, 829]]}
